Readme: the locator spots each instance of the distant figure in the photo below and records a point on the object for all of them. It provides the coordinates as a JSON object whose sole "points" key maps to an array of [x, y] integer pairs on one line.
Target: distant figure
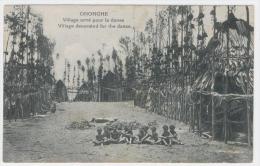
{"points": [[53, 107], [12, 112], [19, 106], [166, 136], [7, 105], [148, 103], [99, 138]]}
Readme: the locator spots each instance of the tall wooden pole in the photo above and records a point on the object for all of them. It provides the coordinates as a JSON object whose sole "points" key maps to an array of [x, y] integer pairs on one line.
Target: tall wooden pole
{"points": [[248, 77], [200, 46], [156, 28], [182, 63], [28, 72], [6, 53], [199, 115], [169, 27], [226, 88], [212, 88]]}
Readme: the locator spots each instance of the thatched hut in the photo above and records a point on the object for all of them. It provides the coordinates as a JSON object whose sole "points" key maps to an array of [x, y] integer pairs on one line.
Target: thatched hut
{"points": [[111, 88], [60, 92], [223, 89], [85, 92]]}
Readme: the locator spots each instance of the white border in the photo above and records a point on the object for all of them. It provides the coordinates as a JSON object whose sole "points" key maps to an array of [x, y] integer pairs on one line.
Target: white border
{"points": [[256, 3]]}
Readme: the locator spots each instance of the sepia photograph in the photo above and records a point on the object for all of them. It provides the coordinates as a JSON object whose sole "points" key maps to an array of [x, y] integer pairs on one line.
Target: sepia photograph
{"points": [[128, 83]]}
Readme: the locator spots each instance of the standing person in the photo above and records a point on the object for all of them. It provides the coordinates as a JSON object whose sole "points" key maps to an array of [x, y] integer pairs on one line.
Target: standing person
{"points": [[157, 100], [148, 104], [12, 108], [53, 107], [7, 107], [19, 107]]}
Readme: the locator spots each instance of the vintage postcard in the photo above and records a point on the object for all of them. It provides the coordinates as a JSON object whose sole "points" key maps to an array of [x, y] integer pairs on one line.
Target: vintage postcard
{"points": [[128, 83]]}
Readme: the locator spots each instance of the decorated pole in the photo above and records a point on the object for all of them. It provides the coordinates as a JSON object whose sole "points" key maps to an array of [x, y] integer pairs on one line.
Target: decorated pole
{"points": [[213, 78], [248, 78], [226, 85]]}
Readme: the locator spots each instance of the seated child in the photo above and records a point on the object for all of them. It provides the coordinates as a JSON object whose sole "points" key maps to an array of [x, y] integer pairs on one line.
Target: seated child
{"points": [[153, 138], [165, 136], [99, 138], [106, 135], [115, 136], [142, 135], [139, 136], [127, 135], [174, 136]]}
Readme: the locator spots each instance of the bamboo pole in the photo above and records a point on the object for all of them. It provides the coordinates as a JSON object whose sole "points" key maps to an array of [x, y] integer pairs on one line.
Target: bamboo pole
{"points": [[171, 108], [199, 116], [169, 30], [193, 121], [156, 26], [184, 67], [6, 49], [190, 63], [247, 105], [212, 88], [226, 86], [225, 126], [182, 63], [159, 102]]}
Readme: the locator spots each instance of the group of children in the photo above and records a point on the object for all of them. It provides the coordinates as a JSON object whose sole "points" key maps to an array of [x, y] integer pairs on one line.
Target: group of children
{"points": [[116, 136]]}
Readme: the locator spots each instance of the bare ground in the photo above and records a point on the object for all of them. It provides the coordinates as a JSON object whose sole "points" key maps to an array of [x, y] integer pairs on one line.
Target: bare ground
{"points": [[46, 139]]}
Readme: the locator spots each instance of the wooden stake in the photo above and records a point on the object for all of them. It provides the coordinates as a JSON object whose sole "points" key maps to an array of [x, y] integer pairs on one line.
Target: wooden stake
{"points": [[193, 121], [225, 126], [199, 116], [213, 118]]}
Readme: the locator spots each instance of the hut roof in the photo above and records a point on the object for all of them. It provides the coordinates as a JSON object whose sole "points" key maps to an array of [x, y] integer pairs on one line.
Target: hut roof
{"points": [[237, 66], [110, 80], [60, 84]]}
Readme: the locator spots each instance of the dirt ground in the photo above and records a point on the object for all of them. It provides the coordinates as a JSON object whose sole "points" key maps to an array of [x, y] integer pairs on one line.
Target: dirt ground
{"points": [[45, 139]]}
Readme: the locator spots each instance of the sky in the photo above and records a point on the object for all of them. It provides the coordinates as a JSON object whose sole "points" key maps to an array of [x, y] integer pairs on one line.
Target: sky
{"points": [[78, 44]]}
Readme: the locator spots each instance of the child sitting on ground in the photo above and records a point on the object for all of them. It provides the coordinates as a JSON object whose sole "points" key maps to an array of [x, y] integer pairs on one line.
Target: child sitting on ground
{"points": [[127, 135], [165, 138], [99, 138], [115, 136], [106, 135], [139, 136], [143, 135], [174, 136], [153, 138]]}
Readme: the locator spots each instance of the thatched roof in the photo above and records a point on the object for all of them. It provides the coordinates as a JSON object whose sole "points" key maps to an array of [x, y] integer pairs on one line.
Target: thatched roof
{"points": [[237, 67], [85, 92]]}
